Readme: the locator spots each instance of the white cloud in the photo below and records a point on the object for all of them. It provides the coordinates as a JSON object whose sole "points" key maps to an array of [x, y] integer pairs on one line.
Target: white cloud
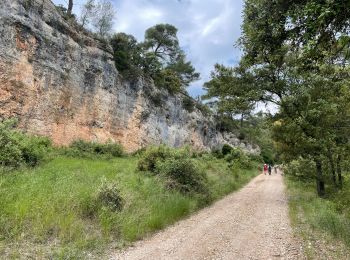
{"points": [[207, 29]]}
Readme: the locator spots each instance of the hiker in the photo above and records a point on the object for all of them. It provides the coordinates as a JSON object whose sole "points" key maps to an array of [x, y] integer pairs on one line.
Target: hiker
{"points": [[275, 167], [265, 168], [270, 169]]}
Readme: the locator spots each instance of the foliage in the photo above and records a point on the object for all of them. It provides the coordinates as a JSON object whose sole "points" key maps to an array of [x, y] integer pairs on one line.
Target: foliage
{"points": [[184, 69], [87, 12], [204, 108], [17, 148], [174, 164], [302, 168], [109, 195], [35, 213], [225, 123], [295, 55], [162, 40], [165, 62], [188, 103], [182, 174], [217, 153], [127, 55], [231, 88], [168, 80], [151, 155], [226, 149], [316, 218], [103, 18], [85, 149], [239, 159]]}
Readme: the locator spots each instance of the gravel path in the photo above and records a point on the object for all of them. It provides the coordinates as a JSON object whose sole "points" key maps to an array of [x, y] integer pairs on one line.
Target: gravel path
{"points": [[252, 223]]}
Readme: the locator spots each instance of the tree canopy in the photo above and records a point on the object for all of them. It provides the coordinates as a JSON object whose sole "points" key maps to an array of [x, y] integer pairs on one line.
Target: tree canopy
{"points": [[159, 57], [295, 55]]}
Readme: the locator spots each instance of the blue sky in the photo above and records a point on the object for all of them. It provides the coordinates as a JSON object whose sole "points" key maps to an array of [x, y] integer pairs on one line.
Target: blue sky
{"points": [[208, 29]]}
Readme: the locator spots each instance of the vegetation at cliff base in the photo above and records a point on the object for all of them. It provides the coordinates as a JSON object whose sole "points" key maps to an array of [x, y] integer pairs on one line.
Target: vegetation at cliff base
{"points": [[87, 197]]}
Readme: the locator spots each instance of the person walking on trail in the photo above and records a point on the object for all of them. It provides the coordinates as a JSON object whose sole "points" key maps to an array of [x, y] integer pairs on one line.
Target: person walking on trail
{"points": [[270, 169], [265, 168]]}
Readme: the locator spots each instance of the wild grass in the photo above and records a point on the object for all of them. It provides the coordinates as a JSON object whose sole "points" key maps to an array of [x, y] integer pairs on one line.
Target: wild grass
{"points": [[54, 210], [319, 218]]}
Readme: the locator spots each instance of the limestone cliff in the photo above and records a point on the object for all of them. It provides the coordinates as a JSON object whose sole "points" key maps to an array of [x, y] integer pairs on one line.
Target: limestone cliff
{"points": [[62, 83]]}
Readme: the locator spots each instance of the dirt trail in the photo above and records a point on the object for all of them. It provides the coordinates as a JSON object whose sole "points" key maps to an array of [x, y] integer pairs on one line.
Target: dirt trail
{"points": [[252, 223]]}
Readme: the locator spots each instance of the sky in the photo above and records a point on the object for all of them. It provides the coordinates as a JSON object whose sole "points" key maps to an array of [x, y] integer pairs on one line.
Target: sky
{"points": [[207, 29]]}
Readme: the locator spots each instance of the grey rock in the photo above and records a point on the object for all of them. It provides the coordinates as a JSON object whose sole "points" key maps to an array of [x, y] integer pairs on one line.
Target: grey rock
{"points": [[60, 81]]}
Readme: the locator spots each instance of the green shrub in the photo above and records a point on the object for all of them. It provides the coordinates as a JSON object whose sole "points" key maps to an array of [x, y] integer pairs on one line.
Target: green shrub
{"points": [[226, 149], [85, 148], [205, 109], [301, 168], [176, 166], [238, 157], [188, 104], [256, 158], [183, 175], [168, 80], [17, 148], [156, 99], [151, 155], [35, 149], [241, 136], [235, 153], [109, 196], [217, 153]]}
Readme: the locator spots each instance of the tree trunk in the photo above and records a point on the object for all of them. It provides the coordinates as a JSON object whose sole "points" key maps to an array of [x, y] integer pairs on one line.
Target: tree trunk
{"points": [[70, 7], [319, 179], [331, 162], [242, 118], [340, 178]]}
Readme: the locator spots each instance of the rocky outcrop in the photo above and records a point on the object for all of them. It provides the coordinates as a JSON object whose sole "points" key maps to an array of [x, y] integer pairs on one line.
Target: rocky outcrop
{"points": [[62, 83]]}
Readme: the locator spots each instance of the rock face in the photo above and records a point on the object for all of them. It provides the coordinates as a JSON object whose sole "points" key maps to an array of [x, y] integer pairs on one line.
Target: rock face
{"points": [[62, 83]]}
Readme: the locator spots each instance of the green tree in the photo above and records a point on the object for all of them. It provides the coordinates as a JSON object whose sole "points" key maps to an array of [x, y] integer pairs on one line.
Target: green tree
{"points": [[127, 54], [297, 52], [162, 40], [184, 69], [231, 88], [169, 80], [163, 57]]}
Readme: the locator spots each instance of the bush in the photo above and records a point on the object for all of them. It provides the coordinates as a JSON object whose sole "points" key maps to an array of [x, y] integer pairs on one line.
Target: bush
{"points": [[183, 175], [238, 157], [217, 153], [109, 196], [17, 148], [226, 149], [35, 149], [256, 158], [301, 168], [85, 148], [205, 109], [188, 104], [168, 80], [175, 166], [151, 155]]}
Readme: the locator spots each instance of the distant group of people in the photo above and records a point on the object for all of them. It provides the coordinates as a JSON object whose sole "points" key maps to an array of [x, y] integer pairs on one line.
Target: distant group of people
{"points": [[268, 168]]}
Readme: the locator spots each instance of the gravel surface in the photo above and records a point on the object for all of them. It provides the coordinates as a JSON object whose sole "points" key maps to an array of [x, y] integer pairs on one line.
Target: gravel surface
{"points": [[252, 223]]}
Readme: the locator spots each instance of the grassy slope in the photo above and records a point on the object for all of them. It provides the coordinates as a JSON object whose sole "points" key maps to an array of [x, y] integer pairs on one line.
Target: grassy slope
{"points": [[52, 211], [322, 224]]}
